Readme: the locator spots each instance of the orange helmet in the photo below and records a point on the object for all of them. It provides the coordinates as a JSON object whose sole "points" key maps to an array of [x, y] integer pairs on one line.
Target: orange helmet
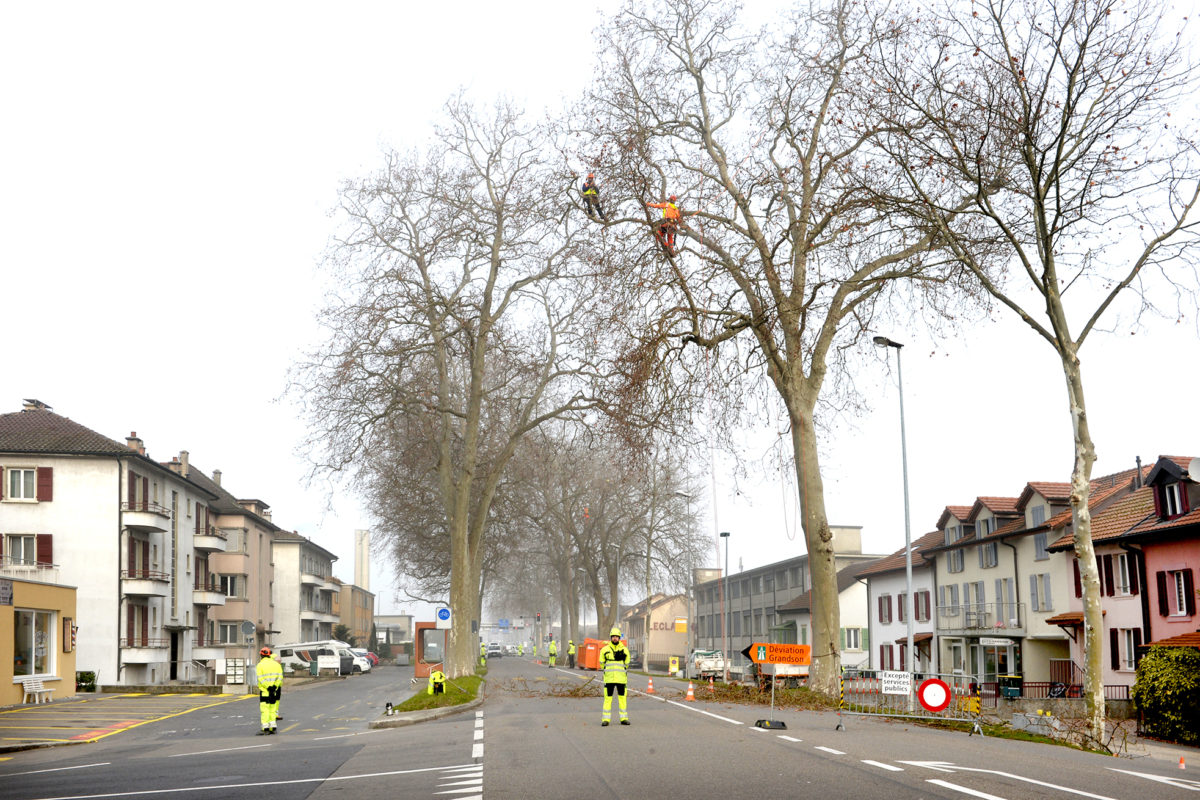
{"points": [[266, 651], [591, 174], [672, 198]]}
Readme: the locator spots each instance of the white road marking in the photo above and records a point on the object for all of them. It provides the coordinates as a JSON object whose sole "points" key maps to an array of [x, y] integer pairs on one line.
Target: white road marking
{"points": [[254, 785], [478, 735], [479, 722], [790, 738], [467, 770], [882, 765], [226, 750], [478, 715], [760, 730], [1180, 783], [472, 782], [477, 750], [457, 791], [830, 750], [57, 769], [964, 789], [706, 713], [943, 766]]}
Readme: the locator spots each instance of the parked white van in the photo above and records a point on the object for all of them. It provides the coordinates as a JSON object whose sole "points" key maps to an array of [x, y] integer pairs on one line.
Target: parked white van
{"points": [[299, 655]]}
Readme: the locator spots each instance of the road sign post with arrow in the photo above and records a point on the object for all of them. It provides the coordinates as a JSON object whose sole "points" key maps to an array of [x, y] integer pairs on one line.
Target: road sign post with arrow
{"points": [[769, 653]]}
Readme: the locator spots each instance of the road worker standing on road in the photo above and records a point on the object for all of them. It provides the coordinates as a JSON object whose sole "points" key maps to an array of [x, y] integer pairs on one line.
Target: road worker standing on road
{"points": [[571, 652], [482, 654], [270, 688], [614, 660], [520, 648], [552, 651]]}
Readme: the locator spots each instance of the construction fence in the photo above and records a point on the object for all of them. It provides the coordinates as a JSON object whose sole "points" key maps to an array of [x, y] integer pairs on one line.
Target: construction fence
{"points": [[885, 693]]}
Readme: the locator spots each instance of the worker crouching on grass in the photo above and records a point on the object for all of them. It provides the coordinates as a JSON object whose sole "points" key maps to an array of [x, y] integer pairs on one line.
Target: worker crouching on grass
{"points": [[437, 683], [270, 689], [614, 660]]}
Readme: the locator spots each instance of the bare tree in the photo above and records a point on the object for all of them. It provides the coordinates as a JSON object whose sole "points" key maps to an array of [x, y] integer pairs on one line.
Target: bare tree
{"points": [[1055, 118], [768, 139], [455, 316]]}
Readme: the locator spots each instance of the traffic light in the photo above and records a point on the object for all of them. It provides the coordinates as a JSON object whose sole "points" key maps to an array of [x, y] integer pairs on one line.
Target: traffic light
{"points": [[539, 616]]}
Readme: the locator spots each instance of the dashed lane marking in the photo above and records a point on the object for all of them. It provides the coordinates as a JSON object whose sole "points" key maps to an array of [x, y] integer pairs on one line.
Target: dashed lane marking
{"points": [[223, 750], [55, 769], [790, 738], [830, 750], [881, 765]]}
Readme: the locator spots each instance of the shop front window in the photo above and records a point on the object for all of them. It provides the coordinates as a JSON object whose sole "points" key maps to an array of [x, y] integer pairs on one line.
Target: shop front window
{"points": [[32, 643]]}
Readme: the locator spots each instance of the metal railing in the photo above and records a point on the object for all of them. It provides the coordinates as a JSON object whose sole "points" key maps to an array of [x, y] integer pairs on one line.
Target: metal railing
{"points": [[146, 505], [212, 585], [145, 641], [11, 567], [145, 575], [883, 693], [212, 530], [994, 617]]}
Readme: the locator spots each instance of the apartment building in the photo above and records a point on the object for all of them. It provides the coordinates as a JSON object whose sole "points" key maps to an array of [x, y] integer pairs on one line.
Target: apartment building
{"points": [[356, 610], [887, 590], [128, 532], [304, 589], [854, 640]]}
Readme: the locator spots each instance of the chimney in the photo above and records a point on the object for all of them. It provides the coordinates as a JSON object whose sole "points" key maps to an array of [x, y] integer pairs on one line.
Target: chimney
{"points": [[34, 405], [135, 444], [1137, 479], [174, 465], [183, 462], [266, 514], [217, 477]]}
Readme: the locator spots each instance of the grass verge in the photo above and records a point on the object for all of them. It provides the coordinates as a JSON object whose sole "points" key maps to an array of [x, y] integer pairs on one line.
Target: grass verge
{"points": [[458, 691]]}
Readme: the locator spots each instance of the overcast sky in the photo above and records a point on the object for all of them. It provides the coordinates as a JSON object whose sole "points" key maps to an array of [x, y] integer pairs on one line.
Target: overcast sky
{"points": [[166, 176]]}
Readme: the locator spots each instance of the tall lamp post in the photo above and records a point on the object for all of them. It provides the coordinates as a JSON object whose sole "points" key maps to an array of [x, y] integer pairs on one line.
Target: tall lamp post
{"points": [[883, 341], [691, 570], [725, 605]]}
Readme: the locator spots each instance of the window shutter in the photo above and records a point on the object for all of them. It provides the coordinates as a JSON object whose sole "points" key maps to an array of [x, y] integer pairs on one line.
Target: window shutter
{"points": [[129, 632], [880, 601], [1078, 580], [1135, 567], [1161, 579], [882, 658], [889, 608], [1137, 643], [197, 520], [1047, 598], [1033, 593], [145, 494], [146, 558], [1158, 502], [3, 485], [980, 551], [1183, 499], [1109, 588], [842, 638], [45, 548], [1, 548], [866, 639], [145, 626], [1114, 639], [1189, 593], [131, 493], [45, 484]]}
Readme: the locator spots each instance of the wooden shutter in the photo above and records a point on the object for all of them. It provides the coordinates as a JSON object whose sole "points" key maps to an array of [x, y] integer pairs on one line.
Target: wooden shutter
{"points": [[880, 602], [145, 559], [1033, 593], [145, 626], [1158, 502], [1, 548], [45, 548], [1078, 580], [129, 634], [45, 484], [1106, 562], [1161, 579], [889, 608], [1114, 639], [1137, 643], [1189, 593], [1134, 564], [145, 494], [131, 491], [3, 485], [865, 635]]}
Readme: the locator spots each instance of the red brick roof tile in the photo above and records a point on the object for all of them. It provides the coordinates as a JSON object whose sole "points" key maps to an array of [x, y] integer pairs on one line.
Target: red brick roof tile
{"points": [[997, 505], [896, 560], [1182, 640]]}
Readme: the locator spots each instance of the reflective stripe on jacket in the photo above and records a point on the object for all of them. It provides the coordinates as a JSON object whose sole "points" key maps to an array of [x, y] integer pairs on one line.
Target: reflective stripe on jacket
{"points": [[670, 210], [615, 663], [270, 676]]}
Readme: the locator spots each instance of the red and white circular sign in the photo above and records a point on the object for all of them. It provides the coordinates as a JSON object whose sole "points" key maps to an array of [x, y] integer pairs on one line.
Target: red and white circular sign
{"points": [[934, 695]]}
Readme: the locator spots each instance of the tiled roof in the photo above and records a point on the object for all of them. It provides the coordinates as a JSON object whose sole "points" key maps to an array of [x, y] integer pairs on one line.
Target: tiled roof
{"points": [[997, 505], [1071, 619], [896, 560], [960, 513], [41, 431], [1095, 498], [1153, 523], [1182, 640], [803, 602], [1113, 520], [1050, 490]]}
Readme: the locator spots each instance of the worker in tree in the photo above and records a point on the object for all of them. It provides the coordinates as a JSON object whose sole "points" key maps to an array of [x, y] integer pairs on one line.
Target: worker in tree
{"points": [[552, 651], [665, 233], [482, 654], [591, 198], [614, 660], [270, 688], [437, 683], [571, 653]]}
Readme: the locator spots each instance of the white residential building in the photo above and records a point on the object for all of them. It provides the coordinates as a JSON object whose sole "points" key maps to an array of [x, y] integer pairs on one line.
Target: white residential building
{"points": [[303, 592], [887, 587]]}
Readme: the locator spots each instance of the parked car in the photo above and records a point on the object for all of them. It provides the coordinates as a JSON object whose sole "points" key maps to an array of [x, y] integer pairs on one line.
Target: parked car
{"points": [[511, 650], [371, 658], [361, 664], [494, 650]]}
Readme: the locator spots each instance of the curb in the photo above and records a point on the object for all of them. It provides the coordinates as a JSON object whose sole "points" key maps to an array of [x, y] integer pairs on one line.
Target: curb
{"points": [[413, 717]]}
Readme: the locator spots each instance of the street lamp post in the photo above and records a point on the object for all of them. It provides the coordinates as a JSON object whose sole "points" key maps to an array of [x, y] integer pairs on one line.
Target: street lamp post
{"points": [[883, 341], [725, 605]]}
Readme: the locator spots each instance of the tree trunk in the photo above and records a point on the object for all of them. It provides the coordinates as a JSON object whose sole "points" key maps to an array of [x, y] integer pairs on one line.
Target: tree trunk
{"points": [[1089, 574], [826, 668]]}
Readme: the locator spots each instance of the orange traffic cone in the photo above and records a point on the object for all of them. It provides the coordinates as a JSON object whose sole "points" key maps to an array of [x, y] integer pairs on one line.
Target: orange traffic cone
{"points": [[691, 695], [651, 689], [1181, 764]]}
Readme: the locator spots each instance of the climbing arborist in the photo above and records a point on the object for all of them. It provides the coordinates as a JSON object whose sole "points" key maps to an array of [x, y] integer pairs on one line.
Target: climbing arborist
{"points": [[614, 661], [571, 653], [665, 233], [552, 651], [270, 687], [437, 682], [591, 197]]}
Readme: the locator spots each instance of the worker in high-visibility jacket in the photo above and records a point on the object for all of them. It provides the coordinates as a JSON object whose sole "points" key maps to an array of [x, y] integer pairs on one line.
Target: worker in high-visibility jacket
{"points": [[270, 688], [535, 649], [437, 682], [571, 653], [520, 648], [665, 232], [482, 654], [614, 661], [591, 197], [552, 651]]}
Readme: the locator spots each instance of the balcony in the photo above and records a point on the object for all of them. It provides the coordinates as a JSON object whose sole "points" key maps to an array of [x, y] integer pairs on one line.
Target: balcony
{"points": [[145, 583], [209, 539], [308, 579], [978, 619], [144, 650], [204, 649], [208, 593], [315, 615], [28, 570], [143, 515]]}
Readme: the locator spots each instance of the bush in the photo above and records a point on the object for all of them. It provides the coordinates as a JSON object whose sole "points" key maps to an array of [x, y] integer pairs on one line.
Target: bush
{"points": [[1167, 693], [85, 681]]}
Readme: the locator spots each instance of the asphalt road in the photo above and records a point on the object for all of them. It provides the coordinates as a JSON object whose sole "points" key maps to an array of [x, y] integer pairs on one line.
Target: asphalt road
{"points": [[533, 737]]}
